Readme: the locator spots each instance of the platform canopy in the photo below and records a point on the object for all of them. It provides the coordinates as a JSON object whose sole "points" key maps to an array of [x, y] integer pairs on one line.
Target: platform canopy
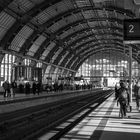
{"points": [[65, 32]]}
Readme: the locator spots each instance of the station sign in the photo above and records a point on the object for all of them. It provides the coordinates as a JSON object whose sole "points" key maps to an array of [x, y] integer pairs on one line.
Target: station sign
{"points": [[131, 29], [1, 78]]}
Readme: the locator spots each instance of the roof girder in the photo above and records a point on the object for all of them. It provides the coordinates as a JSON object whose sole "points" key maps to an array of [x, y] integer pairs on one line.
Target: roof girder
{"points": [[100, 34], [89, 29], [7, 39], [4, 4], [10, 37], [86, 48], [58, 58], [33, 12], [79, 9], [41, 49], [81, 21]]}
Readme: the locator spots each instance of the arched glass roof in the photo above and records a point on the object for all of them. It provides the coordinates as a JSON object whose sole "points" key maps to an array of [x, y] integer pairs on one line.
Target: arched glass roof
{"points": [[65, 32]]}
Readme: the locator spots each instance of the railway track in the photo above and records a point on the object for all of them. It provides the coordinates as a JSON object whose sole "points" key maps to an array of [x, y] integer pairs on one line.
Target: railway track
{"points": [[81, 112], [37, 122], [27, 112]]}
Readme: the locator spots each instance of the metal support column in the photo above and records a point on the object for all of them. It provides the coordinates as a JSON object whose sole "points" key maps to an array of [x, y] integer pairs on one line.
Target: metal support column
{"points": [[130, 72]]}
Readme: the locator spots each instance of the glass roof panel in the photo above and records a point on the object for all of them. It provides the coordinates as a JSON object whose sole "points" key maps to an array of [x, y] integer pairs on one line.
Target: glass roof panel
{"points": [[21, 6], [82, 3], [93, 24], [101, 13], [88, 14]]}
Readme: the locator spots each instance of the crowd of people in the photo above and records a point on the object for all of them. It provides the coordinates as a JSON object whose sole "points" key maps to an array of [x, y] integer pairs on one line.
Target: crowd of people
{"points": [[122, 96], [122, 92], [10, 89], [61, 86]]}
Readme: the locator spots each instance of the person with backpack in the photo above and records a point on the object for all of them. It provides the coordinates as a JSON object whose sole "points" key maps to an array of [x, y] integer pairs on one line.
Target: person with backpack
{"points": [[123, 99], [137, 94]]}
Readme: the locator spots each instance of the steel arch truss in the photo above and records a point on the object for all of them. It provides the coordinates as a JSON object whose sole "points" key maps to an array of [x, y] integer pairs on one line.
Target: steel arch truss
{"points": [[74, 43]]}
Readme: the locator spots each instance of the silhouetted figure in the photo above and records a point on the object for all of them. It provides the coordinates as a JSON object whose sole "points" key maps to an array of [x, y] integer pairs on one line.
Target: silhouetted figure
{"points": [[13, 87], [21, 88], [116, 92], [123, 99], [38, 88], [27, 88], [6, 86], [137, 94], [47, 88], [55, 86], [34, 88]]}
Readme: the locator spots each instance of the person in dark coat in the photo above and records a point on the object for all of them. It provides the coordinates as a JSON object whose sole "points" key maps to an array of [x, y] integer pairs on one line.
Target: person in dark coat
{"points": [[27, 88], [21, 88], [34, 87], [14, 87], [136, 94], [123, 99], [38, 88], [6, 86], [116, 92]]}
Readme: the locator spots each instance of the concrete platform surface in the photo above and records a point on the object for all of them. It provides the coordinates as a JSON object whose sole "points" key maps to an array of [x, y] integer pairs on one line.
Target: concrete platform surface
{"points": [[103, 123]]}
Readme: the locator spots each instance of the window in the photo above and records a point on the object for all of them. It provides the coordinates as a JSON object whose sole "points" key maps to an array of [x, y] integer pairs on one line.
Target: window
{"points": [[108, 65], [27, 62], [6, 67], [39, 65]]}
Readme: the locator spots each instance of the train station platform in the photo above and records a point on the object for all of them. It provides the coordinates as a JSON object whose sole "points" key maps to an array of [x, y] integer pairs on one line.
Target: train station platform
{"points": [[103, 123], [22, 101]]}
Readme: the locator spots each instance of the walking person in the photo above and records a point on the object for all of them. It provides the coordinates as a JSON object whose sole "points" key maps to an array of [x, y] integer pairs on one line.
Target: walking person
{"points": [[123, 99], [137, 94]]}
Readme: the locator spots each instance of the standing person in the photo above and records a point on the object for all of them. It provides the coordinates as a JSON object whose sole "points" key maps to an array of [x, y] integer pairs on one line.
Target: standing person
{"points": [[27, 88], [9, 89], [123, 98], [137, 94], [6, 87], [34, 88], [38, 88], [21, 88], [13, 87]]}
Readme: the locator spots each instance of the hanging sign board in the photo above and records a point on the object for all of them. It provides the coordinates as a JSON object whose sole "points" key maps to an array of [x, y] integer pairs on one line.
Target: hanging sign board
{"points": [[1, 78], [131, 30]]}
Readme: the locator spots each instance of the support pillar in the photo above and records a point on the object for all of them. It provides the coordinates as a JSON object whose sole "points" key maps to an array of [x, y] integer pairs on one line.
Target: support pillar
{"points": [[130, 73]]}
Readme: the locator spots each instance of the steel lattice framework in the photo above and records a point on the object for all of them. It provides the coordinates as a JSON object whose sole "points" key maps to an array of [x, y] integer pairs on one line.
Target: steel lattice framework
{"points": [[64, 33]]}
